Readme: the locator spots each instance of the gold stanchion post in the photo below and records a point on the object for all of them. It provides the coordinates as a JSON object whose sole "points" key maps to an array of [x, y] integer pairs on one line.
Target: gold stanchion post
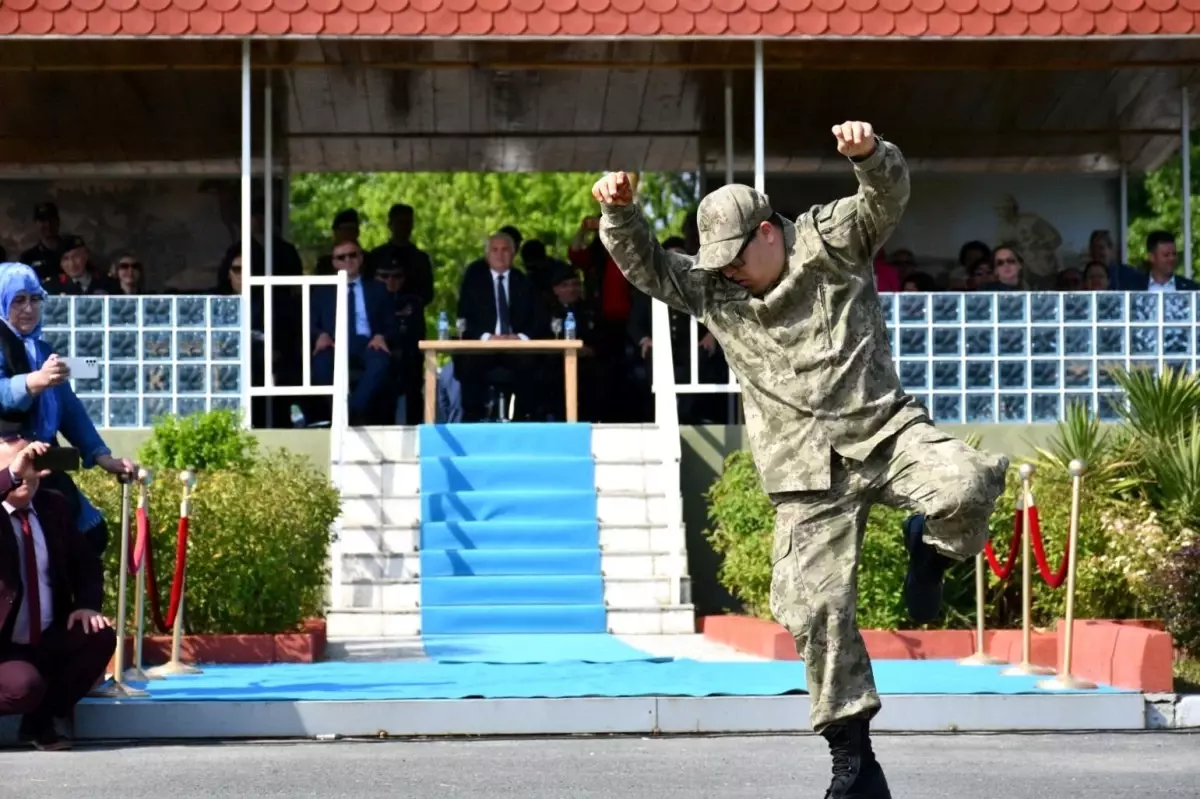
{"points": [[175, 666], [1026, 668], [135, 673], [116, 688], [981, 657], [1067, 681]]}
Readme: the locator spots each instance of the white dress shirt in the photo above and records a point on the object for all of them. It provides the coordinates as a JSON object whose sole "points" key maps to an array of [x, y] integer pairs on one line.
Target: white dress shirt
{"points": [[20, 633], [501, 279], [1154, 285]]}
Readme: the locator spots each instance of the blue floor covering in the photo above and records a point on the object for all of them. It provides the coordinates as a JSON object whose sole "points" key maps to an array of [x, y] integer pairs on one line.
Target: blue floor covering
{"points": [[543, 649], [343, 681]]}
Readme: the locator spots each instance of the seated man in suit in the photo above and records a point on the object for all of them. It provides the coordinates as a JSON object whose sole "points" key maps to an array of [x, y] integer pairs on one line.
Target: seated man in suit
{"points": [[371, 321], [54, 643], [499, 302]]}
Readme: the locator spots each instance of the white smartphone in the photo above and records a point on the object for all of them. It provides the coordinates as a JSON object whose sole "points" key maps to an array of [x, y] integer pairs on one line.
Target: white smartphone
{"points": [[82, 368]]}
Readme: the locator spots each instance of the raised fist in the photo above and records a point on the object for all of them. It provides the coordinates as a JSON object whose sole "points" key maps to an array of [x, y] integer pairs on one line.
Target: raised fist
{"points": [[614, 188], [855, 139]]}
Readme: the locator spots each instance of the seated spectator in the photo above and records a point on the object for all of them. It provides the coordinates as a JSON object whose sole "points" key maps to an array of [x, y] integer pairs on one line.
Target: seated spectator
{"points": [[401, 254], [406, 381], [499, 302], [1161, 259], [1121, 276], [79, 276], [567, 291], [369, 324], [972, 253], [345, 229], [127, 271], [919, 281], [957, 279], [981, 273], [1095, 276], [1069, 279], [45, 257], [1009, 270], [887, 277], [36, 399], [54, 642]]}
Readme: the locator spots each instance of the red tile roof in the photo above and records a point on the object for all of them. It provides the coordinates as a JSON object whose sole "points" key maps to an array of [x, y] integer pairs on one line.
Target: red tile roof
{"points": [[536, 18]]}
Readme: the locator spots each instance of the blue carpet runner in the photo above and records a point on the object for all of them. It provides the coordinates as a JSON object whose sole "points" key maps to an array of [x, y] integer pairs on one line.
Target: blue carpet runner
{"points": [[510, 546]]}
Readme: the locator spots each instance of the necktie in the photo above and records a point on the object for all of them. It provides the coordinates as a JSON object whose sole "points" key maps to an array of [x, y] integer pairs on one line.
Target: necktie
{"points": [[351, 313], [502, 306], [32, 579]]}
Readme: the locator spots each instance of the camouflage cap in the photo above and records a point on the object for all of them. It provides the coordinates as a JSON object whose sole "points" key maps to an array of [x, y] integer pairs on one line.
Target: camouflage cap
{"points": [[726, 219]]}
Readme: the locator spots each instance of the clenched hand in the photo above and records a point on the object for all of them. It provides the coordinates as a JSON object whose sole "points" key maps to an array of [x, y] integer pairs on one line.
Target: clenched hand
{"points": [[613, 189], [855, 139]]}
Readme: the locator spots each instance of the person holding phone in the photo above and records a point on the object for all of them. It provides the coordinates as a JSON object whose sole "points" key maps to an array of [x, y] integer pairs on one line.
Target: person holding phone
{"points": [[36, 400], [23, 468]]}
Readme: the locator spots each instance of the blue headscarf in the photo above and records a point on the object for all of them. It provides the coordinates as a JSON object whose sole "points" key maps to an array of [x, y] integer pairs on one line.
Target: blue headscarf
{"points": [[16, 278]]}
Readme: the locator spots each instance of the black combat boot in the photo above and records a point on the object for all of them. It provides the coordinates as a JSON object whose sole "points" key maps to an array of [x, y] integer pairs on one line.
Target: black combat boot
{"points": [[856, 772], [926, 567]]}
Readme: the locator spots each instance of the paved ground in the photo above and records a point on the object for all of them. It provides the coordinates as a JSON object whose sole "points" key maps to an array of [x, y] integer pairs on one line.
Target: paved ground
{"points": [[920, 767]]}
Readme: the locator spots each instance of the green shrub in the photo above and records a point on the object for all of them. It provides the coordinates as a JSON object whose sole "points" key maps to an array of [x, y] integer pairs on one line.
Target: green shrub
{"points": [[1177, 588], [208, 440], [743, 529], [258, 543]]}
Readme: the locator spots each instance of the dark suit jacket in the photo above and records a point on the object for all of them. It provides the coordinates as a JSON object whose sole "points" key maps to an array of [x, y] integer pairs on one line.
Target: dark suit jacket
{"points": [[477, 304], [7, 483], [1142, 283], [76, 574], [381, 311]]}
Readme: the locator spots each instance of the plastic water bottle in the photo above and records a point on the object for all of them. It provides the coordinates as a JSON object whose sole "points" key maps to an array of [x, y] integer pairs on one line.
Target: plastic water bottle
{"points": [[443, 327], [569, 326], [297, 416]]}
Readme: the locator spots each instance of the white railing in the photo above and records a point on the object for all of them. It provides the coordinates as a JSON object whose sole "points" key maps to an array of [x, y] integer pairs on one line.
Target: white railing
{"points": [[982, 358], [666, 417], [339, 388]]}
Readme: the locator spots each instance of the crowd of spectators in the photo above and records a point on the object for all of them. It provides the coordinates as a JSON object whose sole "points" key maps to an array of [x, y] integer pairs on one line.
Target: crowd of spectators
{"points": [[517, 289]]}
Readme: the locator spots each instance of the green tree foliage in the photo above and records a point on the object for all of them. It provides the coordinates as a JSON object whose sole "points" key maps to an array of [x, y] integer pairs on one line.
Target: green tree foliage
{"points": [[455, 212], [1157, 204]]}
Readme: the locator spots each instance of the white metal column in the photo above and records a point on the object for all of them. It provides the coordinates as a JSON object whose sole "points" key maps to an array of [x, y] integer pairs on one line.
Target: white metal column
{"points": [[268, 292], [245, 342], [1123, 241], [1185, 158], [760, 178]]}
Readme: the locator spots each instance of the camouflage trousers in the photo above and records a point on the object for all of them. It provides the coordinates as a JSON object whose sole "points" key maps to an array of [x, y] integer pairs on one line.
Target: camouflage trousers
{"points": [[818, 541]]}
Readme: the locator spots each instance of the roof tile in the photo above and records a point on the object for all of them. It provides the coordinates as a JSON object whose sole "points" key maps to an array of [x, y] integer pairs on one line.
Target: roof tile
{"points": [[104, 21], [1045, 23], [138, 22], [912, 23], [610, 23], [880, 23], [603, 18]]}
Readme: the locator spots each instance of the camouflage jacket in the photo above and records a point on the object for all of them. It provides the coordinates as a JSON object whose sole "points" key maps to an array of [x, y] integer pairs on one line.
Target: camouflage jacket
{"points": [[812, 355]]}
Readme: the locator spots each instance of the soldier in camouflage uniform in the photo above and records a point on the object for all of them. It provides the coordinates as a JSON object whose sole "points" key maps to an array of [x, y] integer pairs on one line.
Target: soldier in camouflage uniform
{"points": [[794, 306]]}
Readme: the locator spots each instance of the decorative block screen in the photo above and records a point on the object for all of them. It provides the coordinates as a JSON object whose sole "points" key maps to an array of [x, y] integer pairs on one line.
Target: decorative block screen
{"points": [[158, 355]]}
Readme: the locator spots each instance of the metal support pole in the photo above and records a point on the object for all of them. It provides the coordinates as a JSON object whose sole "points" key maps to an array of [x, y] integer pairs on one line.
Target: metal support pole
{"points": [[1185, 158], [1123, 241], [728, 127], [247, 185], [268, 244], [117, 689], [760, 179]]}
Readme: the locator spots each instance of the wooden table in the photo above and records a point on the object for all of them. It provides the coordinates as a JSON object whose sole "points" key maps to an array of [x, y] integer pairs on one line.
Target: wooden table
{"points": [[568, 347]]}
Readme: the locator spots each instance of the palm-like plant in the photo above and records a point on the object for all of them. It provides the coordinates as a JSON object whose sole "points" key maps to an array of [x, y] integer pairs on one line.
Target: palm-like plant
{"points": [[1104, 452]]}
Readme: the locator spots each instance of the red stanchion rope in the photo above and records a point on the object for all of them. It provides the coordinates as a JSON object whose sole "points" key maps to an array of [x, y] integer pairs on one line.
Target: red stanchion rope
{"points": [[144, 551], [1053, 579], [1003, 572]]}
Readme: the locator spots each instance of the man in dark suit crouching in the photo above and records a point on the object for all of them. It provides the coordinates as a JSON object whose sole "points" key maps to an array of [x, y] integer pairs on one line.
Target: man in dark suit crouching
{"points": [[54, 643]]}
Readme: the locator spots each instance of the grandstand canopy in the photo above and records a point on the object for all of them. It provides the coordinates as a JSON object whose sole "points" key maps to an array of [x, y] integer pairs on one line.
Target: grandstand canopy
{"points": [[154, 106]]}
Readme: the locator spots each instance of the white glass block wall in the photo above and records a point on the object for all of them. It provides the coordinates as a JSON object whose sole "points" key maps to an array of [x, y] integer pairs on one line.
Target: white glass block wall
{"points": [[1019, 358], [158, 355]]}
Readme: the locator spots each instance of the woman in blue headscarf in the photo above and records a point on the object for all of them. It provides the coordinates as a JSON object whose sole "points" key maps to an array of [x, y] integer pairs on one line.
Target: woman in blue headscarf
{"points": [[36, 400]]}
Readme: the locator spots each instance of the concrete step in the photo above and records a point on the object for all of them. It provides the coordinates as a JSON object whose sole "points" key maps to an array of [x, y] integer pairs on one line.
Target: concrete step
{"points": [[402, 539], [363, 567], [401, 479], [619, 508], [663, 620], [404, 593], [618, 443]]}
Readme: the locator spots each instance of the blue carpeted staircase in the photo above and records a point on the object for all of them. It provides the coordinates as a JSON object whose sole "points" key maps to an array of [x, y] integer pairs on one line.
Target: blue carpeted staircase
{"points": [[510, 542]]}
